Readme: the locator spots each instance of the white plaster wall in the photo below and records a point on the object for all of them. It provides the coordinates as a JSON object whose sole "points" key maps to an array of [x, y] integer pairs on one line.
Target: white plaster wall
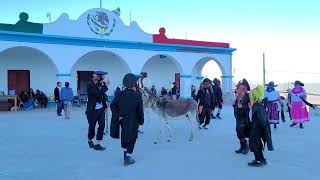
{"points": [[65, 56], [80, 28], [42, 69], [161, 71], [104, 61]]}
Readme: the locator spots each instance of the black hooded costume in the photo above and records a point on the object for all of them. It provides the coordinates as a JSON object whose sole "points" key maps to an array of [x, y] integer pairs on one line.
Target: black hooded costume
{"points": [[129, 106]]}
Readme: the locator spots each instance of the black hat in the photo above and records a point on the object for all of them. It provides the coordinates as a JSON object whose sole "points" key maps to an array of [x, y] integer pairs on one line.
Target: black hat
{"points": [[298, 83], [207, 80], [245, 83], [100, 73], [129, 80], [271, 84]]}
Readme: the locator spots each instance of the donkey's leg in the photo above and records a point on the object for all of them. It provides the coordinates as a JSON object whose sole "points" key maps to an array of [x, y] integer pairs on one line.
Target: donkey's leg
{"points": [[190, 117], [147, 112], [169, 131], [161, 127]]}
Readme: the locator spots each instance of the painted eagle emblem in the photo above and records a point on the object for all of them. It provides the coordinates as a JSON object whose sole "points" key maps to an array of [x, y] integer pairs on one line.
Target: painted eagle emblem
{"points": [[98, 22]]}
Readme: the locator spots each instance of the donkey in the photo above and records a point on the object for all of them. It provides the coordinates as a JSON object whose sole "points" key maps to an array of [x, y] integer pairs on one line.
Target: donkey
{"points": [[172, 109]]}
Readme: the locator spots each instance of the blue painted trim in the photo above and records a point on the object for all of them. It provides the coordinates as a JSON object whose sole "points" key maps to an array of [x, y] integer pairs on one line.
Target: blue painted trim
{"points": [[63, 75], [226, 76], [185, 76], [91, 42], [199, 77]]}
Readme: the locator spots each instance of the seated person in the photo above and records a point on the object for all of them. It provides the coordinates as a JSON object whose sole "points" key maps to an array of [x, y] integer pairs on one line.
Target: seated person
{"points": [[41, 98], [31, 94], [24, 97]]}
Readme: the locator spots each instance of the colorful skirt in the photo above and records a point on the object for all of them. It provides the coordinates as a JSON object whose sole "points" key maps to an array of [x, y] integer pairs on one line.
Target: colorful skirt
{"points": [[299, 112], [272, 113]]}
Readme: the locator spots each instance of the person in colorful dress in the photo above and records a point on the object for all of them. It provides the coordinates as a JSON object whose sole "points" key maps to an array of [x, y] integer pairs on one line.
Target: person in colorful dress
{"points": [[298, 108], [273, 104]]}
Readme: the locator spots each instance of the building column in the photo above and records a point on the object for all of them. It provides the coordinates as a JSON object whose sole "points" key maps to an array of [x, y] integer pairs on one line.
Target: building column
{"points": [[226, 84], [185, 89]]}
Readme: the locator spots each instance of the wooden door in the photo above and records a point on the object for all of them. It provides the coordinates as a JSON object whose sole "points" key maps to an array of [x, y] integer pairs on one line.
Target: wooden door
{"points": [[177, 81], [19, 80]]}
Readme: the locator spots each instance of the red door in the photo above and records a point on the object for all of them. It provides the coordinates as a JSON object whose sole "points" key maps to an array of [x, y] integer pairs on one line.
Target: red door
{"points": [[19, 80], [177, 81]]}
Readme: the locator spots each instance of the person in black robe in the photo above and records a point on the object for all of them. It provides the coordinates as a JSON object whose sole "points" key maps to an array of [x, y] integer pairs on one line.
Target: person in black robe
{"points": [[127, 111], [206, 100], [218, 94], [96, 107], [241, 113], [260, 132]]}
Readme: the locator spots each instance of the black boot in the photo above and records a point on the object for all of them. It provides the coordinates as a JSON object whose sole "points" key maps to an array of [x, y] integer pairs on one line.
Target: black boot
{"points": [[301, 126], [212, 116], [275, 126], [218, 116], [257, 162], [244, 148], [91, 144], [98, 147], [127, 160], [263, 160], [293, 124]]}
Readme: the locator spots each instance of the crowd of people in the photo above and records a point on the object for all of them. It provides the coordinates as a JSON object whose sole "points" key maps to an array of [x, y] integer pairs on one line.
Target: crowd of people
{"points": [[29, 99], [254, 111]]}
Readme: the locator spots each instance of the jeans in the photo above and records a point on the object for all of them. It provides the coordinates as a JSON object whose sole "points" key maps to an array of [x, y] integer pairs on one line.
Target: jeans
{"points": [[59, 108]]}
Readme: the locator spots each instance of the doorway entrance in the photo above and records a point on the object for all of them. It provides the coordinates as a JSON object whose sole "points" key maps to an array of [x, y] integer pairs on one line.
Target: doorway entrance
{"points": [[84, 77], [19, 80]]}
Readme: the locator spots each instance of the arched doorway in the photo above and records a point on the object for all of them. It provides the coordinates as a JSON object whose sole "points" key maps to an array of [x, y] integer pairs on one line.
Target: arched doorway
{"points": [[26, 67], [163, 70], [207, 67], [102, 60]]}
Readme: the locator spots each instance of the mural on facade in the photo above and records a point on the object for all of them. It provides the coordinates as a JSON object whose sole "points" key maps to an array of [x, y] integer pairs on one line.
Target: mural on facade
{"points": [[100, 24]]}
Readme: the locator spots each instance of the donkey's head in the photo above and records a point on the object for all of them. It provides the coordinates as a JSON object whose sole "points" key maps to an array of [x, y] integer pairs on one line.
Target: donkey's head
{"points": [[149, 99]]}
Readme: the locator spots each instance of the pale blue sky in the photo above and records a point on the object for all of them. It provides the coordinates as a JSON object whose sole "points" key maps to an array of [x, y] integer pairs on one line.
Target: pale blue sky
{"points": [[288, 31]]}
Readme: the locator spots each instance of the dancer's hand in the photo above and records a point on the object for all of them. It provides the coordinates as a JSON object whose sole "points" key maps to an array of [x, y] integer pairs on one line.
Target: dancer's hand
{"points": [[120, 118]]}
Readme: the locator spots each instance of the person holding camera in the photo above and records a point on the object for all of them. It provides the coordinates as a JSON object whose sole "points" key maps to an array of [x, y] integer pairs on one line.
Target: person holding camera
{"points": [[96, 107]]}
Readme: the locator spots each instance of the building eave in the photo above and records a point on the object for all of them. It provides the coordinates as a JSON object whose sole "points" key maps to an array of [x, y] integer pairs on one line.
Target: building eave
{"points": [[91, 42]]}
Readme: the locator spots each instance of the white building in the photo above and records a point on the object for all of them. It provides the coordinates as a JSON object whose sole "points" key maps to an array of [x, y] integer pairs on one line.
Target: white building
{"points": [[38, 55]]}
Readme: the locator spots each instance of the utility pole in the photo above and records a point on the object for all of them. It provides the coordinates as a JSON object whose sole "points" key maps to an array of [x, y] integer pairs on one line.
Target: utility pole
{"points": [[100, 3], [130, 17], [264, 69], [49, 16]]}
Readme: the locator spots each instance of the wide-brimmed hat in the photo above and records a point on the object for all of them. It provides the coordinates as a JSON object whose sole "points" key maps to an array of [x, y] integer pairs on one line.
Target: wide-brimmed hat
{"points": [[245, 83], [207, 80], [271, 84], [130, 80], [298, 83], [100, 73]]}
